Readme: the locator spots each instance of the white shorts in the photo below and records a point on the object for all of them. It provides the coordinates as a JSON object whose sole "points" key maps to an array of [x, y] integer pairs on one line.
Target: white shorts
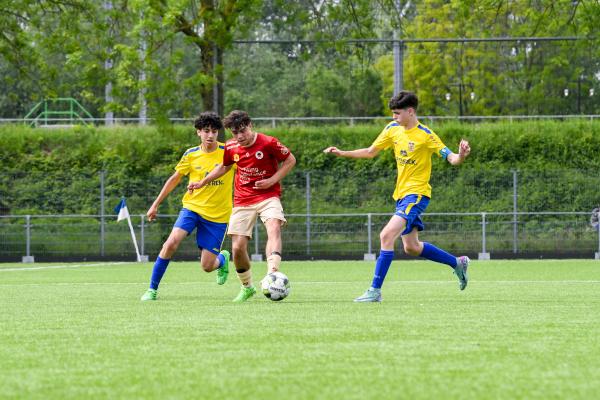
{"points": [[243, 218]]}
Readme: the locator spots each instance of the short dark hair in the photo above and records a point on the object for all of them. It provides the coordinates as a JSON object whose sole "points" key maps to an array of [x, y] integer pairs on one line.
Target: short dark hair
{"points": [[404, 99], [237, 120], [208, 119]]}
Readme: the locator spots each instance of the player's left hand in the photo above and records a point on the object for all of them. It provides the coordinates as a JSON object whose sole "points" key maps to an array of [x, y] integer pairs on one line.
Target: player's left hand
{"points": [[263, 184], [463, 148]]}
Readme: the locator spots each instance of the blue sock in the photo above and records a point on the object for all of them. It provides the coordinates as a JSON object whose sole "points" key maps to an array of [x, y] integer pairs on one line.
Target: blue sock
{"points": [[381, 267], [221, 259], [160, 266], [433, 253]]}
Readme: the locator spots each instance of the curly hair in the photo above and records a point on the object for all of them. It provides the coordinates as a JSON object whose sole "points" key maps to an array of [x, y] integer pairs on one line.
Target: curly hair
{"points": [[237, 120], [404, 99], [208, 119]]}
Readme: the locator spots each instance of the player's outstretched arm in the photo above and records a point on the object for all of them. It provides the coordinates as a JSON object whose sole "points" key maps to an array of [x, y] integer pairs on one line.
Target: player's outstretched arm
{"points": [[216, 173], [167, 188], [368, 152], [463, 151]]}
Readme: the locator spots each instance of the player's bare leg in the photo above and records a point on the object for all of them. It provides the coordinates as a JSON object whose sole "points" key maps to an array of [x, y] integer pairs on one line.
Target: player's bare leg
{"points": [[208, 261], [172, 243], [274, 244], [241, 259], [412, 245], [220, 262]]}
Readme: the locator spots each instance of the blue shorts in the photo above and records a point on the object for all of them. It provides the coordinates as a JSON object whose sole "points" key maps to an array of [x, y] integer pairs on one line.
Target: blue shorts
{"points": [[410, 208], [209, 235]]}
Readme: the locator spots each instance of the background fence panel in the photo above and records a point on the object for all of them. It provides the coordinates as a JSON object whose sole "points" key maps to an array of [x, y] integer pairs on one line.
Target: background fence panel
{"points": [[308, 236]]}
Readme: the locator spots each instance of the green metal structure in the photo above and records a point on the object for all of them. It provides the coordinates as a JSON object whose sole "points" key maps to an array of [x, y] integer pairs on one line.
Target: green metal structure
{"points": [[59, 111]]}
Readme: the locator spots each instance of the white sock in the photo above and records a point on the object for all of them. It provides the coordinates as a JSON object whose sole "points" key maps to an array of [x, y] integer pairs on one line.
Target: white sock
{"points": [[245, 278], [273, 262]]}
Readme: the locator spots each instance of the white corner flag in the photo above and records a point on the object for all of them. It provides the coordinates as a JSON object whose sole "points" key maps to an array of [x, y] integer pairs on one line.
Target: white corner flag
{"points": [[123, 213]]}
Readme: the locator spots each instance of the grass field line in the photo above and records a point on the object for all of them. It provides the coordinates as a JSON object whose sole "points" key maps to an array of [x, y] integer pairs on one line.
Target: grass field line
{"points": [[61, 266], [562, 282]]}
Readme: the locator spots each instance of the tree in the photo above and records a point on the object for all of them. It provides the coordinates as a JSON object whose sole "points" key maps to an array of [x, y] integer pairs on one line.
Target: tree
{"points": [[509, 77], [30, 31], [210, 26]]}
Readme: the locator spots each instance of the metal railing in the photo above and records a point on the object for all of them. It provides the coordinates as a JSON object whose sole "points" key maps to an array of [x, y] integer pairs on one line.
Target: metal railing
{"points": [[276, 121], [48, 112], [483, 235]]}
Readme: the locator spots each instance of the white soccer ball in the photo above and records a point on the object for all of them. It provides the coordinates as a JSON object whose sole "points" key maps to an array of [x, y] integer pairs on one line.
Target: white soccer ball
{"points": [[275, 286]]}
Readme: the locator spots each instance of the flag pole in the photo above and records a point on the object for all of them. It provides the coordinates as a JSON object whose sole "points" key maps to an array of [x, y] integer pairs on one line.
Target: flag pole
{"points": [[137, 251], [123, 213]]}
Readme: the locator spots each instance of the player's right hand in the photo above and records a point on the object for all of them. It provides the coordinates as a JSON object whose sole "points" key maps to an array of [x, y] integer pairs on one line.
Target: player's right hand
{"points": [[194, 185], [332, 150]]}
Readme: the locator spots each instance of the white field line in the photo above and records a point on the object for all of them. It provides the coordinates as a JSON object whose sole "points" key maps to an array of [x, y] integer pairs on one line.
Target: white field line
{"points": [[451, 282], [60, 266]]}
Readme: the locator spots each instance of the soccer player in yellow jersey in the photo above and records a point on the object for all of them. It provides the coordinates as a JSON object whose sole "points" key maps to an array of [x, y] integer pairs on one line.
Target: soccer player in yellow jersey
{"points": [[207, 210], [413, 144]]}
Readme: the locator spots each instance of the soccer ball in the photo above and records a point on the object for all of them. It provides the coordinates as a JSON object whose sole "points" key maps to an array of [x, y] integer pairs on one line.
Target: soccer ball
{"points": [[275, 286]]}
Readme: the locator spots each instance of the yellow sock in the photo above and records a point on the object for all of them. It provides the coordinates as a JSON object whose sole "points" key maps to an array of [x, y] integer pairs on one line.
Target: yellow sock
{"points": [[273, 262], [245, 278]]}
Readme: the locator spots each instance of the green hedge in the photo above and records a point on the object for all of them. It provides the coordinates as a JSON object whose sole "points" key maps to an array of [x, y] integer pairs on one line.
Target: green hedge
{"points": [[57, 170]]}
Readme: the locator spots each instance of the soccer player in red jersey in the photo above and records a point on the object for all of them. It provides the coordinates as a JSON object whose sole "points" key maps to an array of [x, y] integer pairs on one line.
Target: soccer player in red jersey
{"points": [[262, 162]]}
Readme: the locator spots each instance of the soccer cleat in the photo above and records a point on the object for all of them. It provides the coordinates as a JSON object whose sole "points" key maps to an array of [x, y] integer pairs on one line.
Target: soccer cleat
{"points": [[223, 272], [245, 294], [370, 296], [461, 271], [150, 294]]}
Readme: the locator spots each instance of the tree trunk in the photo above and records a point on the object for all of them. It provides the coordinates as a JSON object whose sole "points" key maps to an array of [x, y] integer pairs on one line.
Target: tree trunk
{"points": [[212, 91]]}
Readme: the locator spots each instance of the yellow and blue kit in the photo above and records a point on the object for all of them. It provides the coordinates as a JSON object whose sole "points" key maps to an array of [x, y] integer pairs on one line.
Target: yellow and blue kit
{"points": [[413, 149], [208, 209], [214, 201]]}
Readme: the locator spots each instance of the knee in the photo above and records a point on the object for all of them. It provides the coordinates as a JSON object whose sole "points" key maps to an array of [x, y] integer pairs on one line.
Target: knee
{"points": [[170, 246], [386, 237], [274, 230], [206, 264], [238, 249], [412, 249]]}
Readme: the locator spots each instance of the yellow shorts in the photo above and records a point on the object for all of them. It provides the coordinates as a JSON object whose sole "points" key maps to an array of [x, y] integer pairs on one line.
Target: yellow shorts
{"points": [[243, 218]]}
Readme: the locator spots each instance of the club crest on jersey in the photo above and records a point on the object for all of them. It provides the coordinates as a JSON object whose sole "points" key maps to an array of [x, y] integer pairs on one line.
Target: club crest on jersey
{"points": [[411, 146], [259, 155], [403, 153], [236, 157], [284, 150]]}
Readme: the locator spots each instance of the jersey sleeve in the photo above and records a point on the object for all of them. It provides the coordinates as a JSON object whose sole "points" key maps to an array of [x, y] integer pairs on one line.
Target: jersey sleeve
{"points": [[384, 140], [183, 166], [278, 149], [438, 147], [227, 157]]}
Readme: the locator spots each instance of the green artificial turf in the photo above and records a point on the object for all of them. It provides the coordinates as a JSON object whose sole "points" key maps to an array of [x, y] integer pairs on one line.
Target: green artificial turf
{"points": [[521, 329]]}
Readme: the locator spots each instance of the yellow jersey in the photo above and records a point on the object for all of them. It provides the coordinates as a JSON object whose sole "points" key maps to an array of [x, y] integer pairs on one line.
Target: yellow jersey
{"points": [[214, 201], [412, 149]]}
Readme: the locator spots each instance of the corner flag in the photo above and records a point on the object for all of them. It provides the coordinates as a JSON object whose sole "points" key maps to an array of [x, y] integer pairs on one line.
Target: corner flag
{"points": [[123, 213], [121, 210]]}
